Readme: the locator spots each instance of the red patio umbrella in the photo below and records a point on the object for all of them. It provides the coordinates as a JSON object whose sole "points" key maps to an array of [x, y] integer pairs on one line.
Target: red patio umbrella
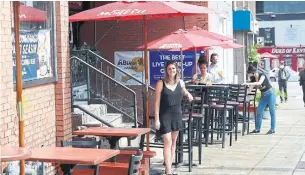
{"points": [[267, 55], [138, 11], [230, 45], [212, 35], [182, 40], [30, 14]]}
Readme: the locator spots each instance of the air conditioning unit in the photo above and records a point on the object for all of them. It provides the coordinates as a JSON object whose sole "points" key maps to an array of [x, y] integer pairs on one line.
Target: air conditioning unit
{"points": [[260, 40]]}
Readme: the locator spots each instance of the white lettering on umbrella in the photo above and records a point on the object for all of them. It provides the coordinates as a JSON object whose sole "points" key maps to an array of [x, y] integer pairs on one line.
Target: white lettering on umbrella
{"points": [[170, 46], [122, 12], [22, 16]]}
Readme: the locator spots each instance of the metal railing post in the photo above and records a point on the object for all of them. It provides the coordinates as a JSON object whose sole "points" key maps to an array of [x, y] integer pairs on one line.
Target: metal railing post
{"points": [[135, 110], [88, 81]]}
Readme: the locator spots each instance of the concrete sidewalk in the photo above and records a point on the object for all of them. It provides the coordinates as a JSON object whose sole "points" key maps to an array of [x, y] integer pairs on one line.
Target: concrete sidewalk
{"points": [[259, 154]]}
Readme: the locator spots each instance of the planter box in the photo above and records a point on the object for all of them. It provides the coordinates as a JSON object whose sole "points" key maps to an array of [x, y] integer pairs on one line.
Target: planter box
{"points": [[252, 109]]}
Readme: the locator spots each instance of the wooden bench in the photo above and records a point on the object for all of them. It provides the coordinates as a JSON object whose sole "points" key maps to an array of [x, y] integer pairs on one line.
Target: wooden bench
{"points": [[120, 167], [124, 157], [146, 154]]}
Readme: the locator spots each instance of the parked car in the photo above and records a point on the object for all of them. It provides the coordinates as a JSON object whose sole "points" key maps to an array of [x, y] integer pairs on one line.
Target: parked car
{"points": [[294, 76]]}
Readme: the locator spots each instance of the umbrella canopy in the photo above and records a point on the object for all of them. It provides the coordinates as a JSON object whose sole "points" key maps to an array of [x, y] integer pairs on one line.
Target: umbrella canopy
{"points": [[230, 45], [267, 55], [30, 14], [137, 10], [184, 40], [212, 35]]}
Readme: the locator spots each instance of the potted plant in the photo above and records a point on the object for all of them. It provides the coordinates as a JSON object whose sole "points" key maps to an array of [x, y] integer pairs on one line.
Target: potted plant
{"points": [[253, 55]]}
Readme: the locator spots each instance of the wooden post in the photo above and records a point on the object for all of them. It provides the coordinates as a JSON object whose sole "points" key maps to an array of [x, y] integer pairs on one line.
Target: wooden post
{"points": [[146, 80], [16, 6]]}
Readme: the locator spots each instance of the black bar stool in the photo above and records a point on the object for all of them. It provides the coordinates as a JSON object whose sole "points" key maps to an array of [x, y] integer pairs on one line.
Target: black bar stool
{"points": [[217, 100], [186, 147]]}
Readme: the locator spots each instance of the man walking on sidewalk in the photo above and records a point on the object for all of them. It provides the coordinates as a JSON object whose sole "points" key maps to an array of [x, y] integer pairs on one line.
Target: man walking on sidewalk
{"points": [[283, 76]]}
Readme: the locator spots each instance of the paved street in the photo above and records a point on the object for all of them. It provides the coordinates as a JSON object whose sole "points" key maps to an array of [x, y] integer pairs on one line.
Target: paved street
{"points": [[278, 154]]}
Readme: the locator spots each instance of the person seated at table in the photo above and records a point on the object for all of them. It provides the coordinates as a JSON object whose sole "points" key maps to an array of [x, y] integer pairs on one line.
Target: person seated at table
{"points": [[203, 77], [215, 70], [267, 98], [168, 113]]}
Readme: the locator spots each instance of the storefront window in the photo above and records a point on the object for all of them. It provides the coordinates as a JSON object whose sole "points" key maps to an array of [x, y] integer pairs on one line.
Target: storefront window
{"points": [[37, 43]]}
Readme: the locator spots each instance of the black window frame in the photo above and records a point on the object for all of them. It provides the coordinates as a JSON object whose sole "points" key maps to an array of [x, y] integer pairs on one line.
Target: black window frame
{"points": [[54, 77]]}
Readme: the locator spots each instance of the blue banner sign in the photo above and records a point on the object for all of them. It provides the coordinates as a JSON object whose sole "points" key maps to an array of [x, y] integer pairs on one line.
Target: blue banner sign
{"points": [[158, 61]]}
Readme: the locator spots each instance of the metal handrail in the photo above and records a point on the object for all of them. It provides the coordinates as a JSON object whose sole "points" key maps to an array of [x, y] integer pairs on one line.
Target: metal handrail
{"points": [[119, 69], [92, 115], [113, 80]]}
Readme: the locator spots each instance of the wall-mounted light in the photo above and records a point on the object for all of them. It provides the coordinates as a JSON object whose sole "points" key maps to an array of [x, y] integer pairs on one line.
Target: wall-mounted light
{"points": [[273, 16]]}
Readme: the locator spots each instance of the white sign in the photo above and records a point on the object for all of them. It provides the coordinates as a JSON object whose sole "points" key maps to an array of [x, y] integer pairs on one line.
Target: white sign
{"points": [[131, 62], [171, 46], [122, 12]]}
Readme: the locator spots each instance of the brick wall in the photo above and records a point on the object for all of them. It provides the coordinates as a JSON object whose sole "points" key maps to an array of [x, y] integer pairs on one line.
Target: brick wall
{"points": [[63, 97], [42, 123], [197, 20], [7, 99]]}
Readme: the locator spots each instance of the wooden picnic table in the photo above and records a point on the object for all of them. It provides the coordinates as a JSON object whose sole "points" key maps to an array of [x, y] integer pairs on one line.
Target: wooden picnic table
{"points": [[70, 157], [14, 153], [113, 135]]}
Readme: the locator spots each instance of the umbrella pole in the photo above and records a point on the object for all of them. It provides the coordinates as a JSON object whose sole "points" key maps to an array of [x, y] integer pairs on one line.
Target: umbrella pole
{"points": [[181, 59], [196, 61], [19, 80], [146, 80]]}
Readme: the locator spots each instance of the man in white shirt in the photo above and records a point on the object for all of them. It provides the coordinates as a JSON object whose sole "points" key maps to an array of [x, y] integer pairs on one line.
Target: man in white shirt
{"points": [[215, 70]]}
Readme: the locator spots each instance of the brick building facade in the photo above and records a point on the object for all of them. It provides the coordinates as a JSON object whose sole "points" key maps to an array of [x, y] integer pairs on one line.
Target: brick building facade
{"points": [[47, 108]]}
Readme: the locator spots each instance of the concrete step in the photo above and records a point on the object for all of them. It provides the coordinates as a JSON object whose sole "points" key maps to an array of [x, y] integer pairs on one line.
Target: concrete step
{"points": [[99, 110], [114, 119]]}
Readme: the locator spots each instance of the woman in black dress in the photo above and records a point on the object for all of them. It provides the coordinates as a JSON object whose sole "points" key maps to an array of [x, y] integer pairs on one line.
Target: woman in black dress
{"points": [[168, 114]]}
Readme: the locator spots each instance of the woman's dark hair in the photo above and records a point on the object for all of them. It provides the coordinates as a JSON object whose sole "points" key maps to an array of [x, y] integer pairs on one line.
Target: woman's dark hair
{"points": [[251, 69], [200, 62], [202, 57]]}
